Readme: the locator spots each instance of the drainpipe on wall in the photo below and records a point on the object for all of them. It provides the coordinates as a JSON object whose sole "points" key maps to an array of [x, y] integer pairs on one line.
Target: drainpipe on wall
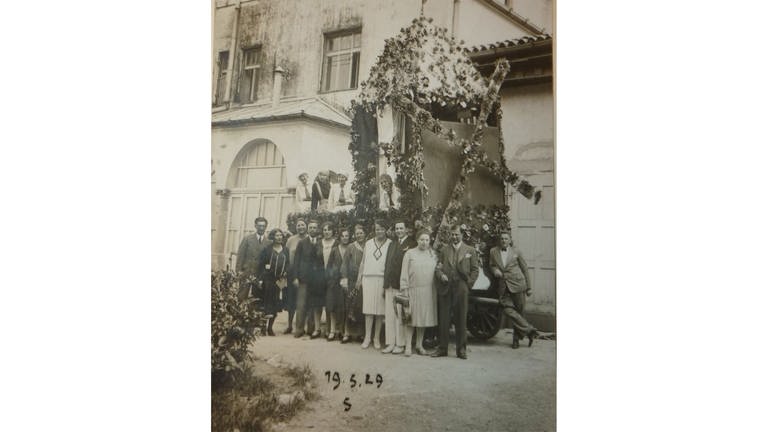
{"points": [[277, 85], [455, 21], [232, 53]]}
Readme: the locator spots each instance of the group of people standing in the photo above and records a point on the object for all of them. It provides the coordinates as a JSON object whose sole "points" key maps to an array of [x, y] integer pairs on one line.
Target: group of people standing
{"points": [[401, 284]]}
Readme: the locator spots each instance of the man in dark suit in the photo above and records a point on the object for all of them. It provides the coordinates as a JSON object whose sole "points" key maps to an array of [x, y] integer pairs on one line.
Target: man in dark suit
{"points": [[305, 275], [457, 269], [509, 267], [250, 249], [394, 331]]}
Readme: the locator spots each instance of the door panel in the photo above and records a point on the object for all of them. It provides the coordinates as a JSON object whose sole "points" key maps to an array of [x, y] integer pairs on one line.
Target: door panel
{"points": [[258, 187], [534, 234]]}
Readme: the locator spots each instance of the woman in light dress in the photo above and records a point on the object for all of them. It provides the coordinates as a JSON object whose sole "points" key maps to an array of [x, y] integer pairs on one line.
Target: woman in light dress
{"points": [[417, 280], [371, 279]]}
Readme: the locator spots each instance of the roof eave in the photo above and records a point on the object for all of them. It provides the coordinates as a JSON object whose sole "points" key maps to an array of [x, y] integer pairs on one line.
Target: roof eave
{"points": [[513, 16], [507, 50], [281, 117]]}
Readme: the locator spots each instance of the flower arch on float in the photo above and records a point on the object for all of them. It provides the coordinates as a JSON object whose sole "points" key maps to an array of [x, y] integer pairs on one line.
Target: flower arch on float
{"points": [[420, 72]]}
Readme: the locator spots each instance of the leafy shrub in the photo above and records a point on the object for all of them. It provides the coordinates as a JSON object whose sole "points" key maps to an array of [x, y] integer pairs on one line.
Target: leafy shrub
{"points": [[234, 324]]}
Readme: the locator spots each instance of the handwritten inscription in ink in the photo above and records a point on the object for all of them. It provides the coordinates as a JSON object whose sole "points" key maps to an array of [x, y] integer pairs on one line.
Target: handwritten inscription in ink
{"points": [[354, 381]]}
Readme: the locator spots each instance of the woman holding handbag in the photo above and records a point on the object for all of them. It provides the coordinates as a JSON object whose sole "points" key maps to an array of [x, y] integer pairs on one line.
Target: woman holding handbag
{"points": [[272, 270], [417, 281]]}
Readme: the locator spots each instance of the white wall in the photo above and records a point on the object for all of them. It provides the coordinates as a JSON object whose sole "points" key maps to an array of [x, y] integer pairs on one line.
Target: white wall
{"points": [[539, 12], [305, 145], [481, 24], [529, 127]]}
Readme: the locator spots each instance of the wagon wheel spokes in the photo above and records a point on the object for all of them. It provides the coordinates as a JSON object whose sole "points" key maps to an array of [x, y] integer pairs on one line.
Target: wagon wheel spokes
{"points": [[484, 321], [490, 320]]}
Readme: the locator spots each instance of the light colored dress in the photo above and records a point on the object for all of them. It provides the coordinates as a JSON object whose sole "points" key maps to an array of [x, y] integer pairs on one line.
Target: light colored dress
{"points": [[372, 276], [417, 278]]}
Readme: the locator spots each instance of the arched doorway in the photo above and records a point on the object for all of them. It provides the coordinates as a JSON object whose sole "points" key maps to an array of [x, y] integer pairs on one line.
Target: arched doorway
{"points": [[258, 186]]}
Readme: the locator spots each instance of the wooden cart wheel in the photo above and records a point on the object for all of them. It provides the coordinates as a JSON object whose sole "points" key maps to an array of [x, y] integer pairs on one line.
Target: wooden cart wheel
{"points": [[484, 318]]}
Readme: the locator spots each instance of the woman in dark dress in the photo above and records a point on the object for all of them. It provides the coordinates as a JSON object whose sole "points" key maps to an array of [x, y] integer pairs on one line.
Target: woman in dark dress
{"points": [[328, 252], [353, 301], [272, 270], [334, 296]]}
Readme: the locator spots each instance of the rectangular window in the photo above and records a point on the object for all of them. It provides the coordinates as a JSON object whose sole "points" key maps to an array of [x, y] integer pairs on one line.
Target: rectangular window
{"points": [[249, 76], [341, 61], [221, 78]]}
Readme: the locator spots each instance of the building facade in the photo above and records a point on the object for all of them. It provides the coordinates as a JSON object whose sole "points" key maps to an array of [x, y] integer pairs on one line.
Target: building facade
{"points": [[284, 71]]}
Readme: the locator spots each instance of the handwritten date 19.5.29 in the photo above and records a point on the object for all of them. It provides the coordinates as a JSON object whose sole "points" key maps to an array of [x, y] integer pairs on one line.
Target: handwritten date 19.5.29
{"points": [[354, 380]]}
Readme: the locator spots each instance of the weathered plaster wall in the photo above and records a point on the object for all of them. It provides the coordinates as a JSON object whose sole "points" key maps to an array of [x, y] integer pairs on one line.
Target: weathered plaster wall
{"points": [[480, 24], [441, 11], [539, 12], [529, 127], [296, 44]]}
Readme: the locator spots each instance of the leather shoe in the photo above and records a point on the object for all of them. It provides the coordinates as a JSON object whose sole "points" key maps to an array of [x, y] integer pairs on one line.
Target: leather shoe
{"points": [[462, 355], [289, 330], [315, 334], [533, 334], [439, 353], [515, 343], [299, 334], [345, 339]]}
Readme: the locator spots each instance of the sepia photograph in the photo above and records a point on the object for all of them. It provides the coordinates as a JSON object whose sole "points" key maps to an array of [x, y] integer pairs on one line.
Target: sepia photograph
{"points": [[383, 215]]}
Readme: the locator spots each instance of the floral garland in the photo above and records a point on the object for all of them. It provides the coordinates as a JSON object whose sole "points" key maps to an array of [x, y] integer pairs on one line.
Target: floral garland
{"points": [[409, 166], [423, 63], [419, 70], [481, 225], [364, 161]]}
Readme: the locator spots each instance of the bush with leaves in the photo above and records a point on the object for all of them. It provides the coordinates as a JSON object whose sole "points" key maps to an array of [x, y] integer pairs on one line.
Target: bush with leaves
{"points": [[234, 324]]}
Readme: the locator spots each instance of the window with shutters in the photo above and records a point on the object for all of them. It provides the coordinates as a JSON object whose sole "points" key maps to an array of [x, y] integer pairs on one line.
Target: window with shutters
{"points": [[222, 63], [249, 75]]}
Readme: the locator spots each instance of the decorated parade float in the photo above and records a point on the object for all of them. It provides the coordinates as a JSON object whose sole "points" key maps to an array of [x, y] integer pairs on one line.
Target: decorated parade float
{"points": [[426, 148]]}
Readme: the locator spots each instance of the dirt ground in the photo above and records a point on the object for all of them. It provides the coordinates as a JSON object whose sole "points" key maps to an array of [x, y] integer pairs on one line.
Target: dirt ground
{"points": [[496, 389]]}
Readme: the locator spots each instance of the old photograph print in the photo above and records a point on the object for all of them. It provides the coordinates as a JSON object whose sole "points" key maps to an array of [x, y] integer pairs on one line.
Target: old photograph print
{"points": [[383, 215]]}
